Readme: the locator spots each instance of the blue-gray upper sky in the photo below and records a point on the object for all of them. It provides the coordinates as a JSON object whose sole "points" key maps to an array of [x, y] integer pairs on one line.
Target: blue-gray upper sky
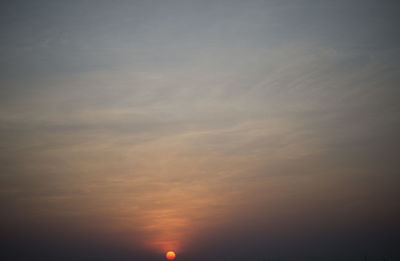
{"points": [[219, 129]]}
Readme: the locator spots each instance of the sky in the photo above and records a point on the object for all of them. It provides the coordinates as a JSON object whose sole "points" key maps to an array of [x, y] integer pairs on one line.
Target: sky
{"points": [[222, 130]]}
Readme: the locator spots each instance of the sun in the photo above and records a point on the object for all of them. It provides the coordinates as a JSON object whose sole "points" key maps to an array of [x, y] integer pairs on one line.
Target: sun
{"points": [[170, 255]]}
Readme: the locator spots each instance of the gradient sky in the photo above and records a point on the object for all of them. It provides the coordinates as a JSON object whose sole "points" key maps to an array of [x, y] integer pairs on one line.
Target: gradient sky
{"points": [[224, 130]]}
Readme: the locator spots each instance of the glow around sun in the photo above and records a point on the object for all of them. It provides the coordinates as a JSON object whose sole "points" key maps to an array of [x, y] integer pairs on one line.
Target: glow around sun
{"points": [[170, 255]]}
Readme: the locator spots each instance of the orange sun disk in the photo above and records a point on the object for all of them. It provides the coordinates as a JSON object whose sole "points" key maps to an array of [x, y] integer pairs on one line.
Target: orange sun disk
{"points": [[170, 255]]}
